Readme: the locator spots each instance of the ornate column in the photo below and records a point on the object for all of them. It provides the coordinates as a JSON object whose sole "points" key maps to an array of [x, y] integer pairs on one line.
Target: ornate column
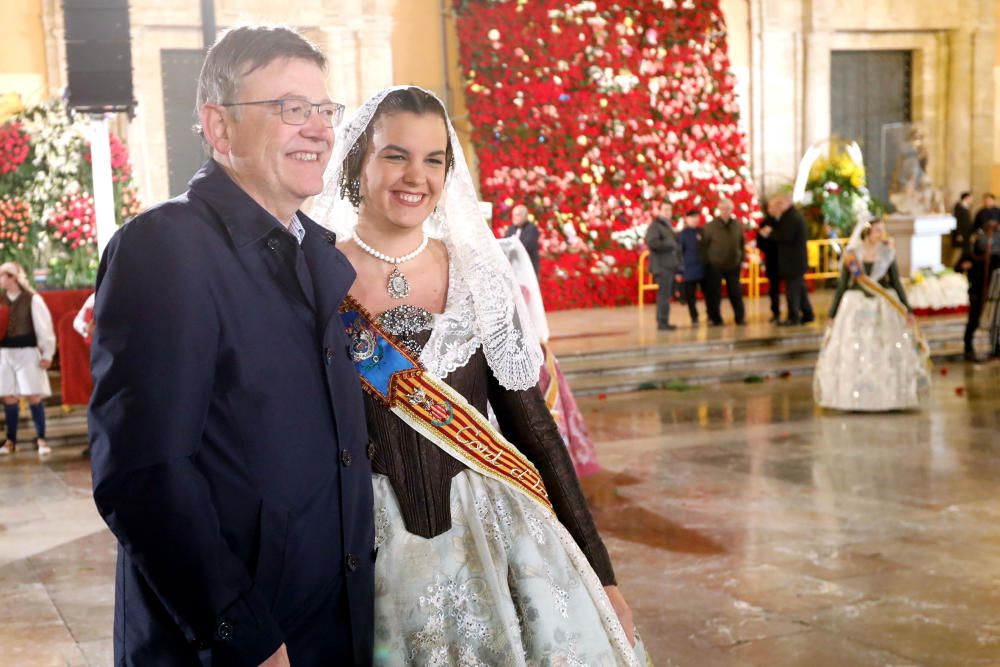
{"points": [[959, 138], [816, 111], [55, 46], [984, 39], [776, 28], [375, 52]]}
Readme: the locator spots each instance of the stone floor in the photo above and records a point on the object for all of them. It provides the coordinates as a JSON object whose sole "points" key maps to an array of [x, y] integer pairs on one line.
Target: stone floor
{"points": [[746, 526], [749, 527]]}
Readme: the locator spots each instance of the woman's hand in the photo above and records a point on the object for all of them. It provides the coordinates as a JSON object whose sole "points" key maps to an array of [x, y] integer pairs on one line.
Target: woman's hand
{"points": [[623, 611]]}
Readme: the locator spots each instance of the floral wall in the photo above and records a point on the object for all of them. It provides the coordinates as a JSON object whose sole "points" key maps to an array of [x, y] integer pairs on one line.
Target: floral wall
{"points": [[589, 112], [47, 221]]}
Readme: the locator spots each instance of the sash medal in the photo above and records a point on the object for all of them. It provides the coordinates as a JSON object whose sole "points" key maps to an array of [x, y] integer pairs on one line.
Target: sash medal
{"points": [[392, 376]]}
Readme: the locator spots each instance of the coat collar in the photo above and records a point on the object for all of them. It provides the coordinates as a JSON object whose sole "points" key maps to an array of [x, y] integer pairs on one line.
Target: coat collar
{"points": [[244, 219]]}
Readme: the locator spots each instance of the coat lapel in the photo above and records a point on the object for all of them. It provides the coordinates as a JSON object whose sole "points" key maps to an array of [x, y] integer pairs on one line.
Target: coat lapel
{"points": [[329, 271]]}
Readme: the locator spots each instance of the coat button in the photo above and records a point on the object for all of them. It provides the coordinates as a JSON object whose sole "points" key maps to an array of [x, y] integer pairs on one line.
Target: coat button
{"points": [[328, 356], [371, 449], [345, 457], [273, 243], [224, 630], [352, 562]]}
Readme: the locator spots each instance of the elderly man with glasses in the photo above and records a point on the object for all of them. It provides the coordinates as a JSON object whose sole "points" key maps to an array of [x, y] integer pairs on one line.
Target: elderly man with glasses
{"points": [[229, 446]]}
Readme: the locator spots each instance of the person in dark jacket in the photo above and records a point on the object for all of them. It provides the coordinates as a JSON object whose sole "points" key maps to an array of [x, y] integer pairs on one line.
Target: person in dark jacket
{"points": [[790, 235], [769, 247], [723, 247], [963, 225], [229, 448], [664, 261], [694, 271], [526, 231], [989, 211], [981, 259]]}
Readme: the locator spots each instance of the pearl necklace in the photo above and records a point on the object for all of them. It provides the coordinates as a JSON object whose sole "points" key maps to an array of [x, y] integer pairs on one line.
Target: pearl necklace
{"points": [[397, 286]]}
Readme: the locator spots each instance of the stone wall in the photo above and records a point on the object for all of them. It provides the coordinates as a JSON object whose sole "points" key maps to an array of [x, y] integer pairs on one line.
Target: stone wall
{"points": [[355, 34], [954, 47], [779, 50]]}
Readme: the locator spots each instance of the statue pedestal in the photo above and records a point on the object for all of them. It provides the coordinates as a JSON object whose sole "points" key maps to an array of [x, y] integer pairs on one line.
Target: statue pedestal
{"points": [[918, 239]]}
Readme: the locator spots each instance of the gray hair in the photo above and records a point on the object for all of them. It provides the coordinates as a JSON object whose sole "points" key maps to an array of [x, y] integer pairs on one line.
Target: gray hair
{"points": [[243, 49]]}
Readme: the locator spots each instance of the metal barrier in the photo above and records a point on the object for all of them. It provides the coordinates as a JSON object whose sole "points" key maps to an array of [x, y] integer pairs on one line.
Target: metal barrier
{"points": [[646, 283], [823, 258]]}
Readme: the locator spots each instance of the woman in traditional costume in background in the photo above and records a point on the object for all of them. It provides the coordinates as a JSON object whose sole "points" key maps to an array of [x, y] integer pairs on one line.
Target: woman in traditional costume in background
{"points": [[488, 554], [873, 358], [552, 383]]}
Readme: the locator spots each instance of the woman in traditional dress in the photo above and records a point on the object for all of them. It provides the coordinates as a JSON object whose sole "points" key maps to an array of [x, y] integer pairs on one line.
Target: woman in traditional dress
{"points": [[551, 382], [488, 554], [873, 358]]}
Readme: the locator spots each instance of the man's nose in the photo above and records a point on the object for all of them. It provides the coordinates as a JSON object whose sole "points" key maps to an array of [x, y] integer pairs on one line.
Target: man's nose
{"points": [[315, 127]]}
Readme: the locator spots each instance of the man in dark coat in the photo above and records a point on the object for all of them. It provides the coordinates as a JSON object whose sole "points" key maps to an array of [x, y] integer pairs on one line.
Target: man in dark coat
{"points": [[980, 260], [229, 449], [988, 212], [526, 231], [963, 226], [769, 247], [724, 246], [665, 260], [790, 235]]}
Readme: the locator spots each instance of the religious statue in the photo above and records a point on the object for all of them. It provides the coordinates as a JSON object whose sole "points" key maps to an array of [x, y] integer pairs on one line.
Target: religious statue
{"points": [[911, 189]]}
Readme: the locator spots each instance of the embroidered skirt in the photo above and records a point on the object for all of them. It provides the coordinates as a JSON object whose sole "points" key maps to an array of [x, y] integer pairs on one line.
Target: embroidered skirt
{"points": [[869, 361], [506, 585]]}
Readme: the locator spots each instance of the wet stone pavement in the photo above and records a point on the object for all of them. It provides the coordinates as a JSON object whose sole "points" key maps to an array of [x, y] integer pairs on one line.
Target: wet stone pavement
{"points": [[747, 527]]}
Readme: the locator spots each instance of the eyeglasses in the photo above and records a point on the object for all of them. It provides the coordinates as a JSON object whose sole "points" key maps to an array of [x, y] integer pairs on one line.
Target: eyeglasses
{"points": [[296, 111]]}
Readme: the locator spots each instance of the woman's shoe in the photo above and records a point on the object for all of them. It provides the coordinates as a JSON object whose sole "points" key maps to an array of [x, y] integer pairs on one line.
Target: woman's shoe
{"points": [[8, 447], [43, 447]]}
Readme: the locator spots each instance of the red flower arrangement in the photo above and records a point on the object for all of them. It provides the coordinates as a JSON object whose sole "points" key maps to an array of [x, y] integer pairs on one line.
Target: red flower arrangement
{"points": [[15, 224], [73, 222], [14, 147], [588, 113], [45, 162]]}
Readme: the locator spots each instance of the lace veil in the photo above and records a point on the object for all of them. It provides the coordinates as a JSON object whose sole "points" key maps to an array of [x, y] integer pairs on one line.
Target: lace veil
{"points": [[485, 306], [524, 274], [885, 254]]}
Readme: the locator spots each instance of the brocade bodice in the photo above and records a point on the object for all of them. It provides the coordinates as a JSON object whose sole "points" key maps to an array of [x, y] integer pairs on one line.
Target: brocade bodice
{"points": [[420, 472]]}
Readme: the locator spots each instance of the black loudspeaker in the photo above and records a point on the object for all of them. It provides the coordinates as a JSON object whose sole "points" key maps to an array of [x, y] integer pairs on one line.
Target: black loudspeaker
{"points": [[98, 55]]}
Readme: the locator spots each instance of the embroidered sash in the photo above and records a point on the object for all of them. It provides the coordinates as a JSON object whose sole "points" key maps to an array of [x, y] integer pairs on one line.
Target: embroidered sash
{"points": [[873, 288], [391, 375]]}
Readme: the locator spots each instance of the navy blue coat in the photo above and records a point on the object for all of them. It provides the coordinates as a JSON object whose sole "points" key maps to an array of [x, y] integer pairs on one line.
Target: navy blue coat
{"points": [[229, 448]]}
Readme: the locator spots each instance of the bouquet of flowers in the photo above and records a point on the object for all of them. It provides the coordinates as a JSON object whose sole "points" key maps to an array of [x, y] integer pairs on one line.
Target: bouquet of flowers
{"points": [[47, 217], [17, 234], [836, 196], [73, 240]]}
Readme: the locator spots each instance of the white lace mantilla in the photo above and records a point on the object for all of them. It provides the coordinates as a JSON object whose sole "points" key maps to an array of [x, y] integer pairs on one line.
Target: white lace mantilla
{"points": [[485, 305], [457, 332]]}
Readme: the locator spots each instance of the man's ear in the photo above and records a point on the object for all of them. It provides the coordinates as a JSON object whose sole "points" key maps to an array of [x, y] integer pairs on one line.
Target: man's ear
{"points": [[216, 126]]}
